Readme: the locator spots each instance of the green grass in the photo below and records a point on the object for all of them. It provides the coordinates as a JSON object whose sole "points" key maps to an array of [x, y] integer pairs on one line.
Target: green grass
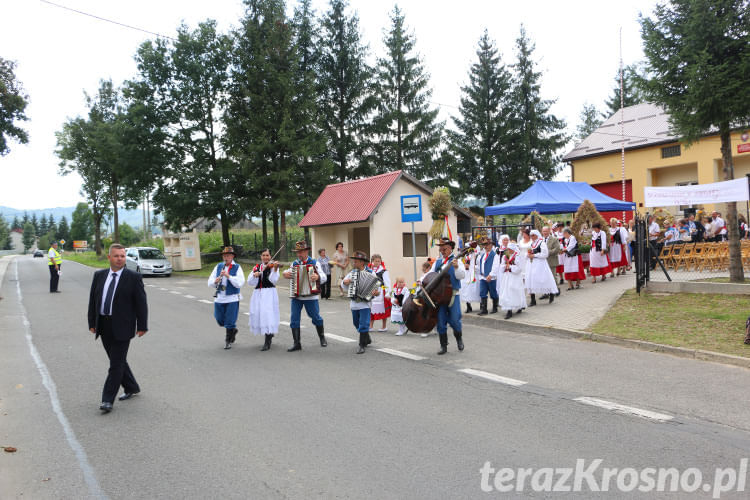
{"points": [[87, 258], [724, 279], [712, 322]]}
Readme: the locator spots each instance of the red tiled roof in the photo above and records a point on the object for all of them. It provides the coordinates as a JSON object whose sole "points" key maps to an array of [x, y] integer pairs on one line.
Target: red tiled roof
{"points": [[352, 201]]}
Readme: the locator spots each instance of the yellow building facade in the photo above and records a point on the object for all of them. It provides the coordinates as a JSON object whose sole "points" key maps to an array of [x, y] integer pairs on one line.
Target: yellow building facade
{"points": [[653, 157]]}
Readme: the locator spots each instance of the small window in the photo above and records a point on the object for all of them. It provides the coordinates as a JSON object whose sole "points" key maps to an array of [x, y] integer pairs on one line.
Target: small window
{"points": [[421, 241], [670, 151]]}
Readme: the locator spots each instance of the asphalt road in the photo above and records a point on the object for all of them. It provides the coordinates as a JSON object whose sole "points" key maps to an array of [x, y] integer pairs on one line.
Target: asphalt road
{"points": [[326, 423]]}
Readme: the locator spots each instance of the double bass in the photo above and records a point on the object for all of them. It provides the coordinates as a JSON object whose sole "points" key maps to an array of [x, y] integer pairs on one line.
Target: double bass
{"points": [[420, 310]]}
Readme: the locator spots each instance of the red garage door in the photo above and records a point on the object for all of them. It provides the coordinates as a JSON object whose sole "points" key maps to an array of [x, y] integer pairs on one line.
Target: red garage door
{"points": [[614, 189]]}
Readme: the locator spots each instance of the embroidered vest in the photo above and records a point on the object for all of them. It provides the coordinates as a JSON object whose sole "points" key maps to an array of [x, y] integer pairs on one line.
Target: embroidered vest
{"points": [[231, 289], [264, 281], [451, 273]]}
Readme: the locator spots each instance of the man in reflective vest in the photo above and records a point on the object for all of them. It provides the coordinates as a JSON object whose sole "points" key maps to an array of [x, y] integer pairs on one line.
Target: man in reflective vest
{"points": [[54, 262]]}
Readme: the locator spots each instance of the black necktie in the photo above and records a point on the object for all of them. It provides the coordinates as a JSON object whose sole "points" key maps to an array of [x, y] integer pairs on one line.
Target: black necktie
{"points": [[110, 294]]}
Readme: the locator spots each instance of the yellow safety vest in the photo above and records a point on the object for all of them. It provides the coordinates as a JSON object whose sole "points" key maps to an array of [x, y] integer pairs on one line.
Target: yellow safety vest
{"points": [[57, 259]]}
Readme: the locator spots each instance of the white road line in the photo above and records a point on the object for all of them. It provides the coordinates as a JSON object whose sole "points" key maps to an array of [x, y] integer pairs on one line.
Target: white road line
{"points": [[286, 323], [88, 471], [189, 296], [205, 301], [149, 284], [176, 292], [630, 410], [493, 377], [401, 354], [339, 338], [163, 289], [246, 314]]}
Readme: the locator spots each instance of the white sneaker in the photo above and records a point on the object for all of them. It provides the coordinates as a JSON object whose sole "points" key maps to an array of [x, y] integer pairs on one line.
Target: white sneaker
{"points": [[382, 329], [398, 334]]}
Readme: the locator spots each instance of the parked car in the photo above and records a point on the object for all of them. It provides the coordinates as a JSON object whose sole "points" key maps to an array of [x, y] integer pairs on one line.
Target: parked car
{"points": [[147, 261], [38, 253]]}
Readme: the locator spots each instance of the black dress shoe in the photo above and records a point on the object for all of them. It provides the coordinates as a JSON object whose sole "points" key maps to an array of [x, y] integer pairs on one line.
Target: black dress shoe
{"points": [[105, 407], [361, 350], [127, 395]]}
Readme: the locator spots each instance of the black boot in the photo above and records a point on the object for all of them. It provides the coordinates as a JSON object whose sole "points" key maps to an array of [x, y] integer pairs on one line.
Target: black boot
{"points": [[228, 339], [368, 339], [533, 300], [459, 340], [362, 343], [551, 298], [508, 314], [494, 306], [297, 345], [267, 343], [468, 308], [444, 342], [321, 335], [233, 336], [483, 306]]}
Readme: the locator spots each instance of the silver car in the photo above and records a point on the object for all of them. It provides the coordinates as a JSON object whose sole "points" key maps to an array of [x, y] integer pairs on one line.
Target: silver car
{"points": [[147, 261]]}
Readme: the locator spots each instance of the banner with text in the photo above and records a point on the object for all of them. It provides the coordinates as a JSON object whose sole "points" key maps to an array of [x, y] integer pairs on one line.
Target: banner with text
{"points": [[718, 192]]}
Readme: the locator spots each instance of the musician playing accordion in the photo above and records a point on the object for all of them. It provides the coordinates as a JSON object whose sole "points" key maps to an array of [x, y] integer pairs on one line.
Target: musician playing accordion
{"points": [[361, 290], [305, 290]]}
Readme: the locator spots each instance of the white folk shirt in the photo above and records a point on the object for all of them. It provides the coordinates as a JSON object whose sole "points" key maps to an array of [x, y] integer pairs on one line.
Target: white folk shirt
{"points": [[653, 231], [353, 304], [237, 281], [106, 288], [460, 273], [319, 272], [719, 226], [495, 270]]}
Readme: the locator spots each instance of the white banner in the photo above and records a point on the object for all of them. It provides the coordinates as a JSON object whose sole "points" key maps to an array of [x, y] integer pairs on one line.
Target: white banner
{"points": [[718, 192]]}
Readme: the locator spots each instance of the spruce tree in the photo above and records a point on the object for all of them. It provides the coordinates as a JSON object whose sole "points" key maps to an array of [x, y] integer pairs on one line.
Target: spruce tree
{"points": [[589, 120], [407, 133], [482, 139], [344, 81], [631, 92], [63, 232], [43, 225], [16, 224], [540, 133], [35, 223]]}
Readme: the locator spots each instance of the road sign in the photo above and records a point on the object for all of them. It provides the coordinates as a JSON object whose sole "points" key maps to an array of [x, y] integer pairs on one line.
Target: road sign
{"points": [[411, 208], [80, 244]]}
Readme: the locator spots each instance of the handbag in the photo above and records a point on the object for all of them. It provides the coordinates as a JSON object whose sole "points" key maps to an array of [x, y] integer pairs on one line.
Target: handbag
{"points": [[573, 251]]}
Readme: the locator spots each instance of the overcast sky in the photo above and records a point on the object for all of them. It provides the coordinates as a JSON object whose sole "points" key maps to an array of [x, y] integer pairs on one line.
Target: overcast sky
{"points": [[60, 54]]}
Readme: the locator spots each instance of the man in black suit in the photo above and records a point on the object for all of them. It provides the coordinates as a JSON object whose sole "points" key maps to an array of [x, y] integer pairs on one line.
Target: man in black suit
{"points": [[117, 311]]}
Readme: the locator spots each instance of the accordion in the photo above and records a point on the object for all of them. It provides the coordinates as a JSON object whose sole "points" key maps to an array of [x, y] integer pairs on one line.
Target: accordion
{"points": [[362, 285], [301, 284]]}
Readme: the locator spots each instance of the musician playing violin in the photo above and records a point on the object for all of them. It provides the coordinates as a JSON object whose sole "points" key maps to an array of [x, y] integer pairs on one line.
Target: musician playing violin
{"points": [[450, 314], [264, 304], [310, 302]]}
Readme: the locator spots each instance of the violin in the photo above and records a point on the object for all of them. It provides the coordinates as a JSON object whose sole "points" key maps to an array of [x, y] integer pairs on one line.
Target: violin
{"points": [[420, 310]]}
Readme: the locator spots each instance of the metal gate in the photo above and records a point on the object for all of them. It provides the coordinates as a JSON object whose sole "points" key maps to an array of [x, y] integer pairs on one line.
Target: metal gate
{"points": [[646, 254]]}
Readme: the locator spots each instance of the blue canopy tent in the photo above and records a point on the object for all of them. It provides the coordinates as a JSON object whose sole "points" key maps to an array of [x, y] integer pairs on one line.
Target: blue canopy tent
{"points": [[548, 197]]}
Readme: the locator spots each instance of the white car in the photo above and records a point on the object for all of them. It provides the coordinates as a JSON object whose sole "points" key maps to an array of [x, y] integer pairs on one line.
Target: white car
{"points": [[147, 261]]}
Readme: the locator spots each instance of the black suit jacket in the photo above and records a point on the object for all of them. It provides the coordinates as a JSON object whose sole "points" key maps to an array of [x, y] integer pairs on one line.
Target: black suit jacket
{"points": [[129, 307]]}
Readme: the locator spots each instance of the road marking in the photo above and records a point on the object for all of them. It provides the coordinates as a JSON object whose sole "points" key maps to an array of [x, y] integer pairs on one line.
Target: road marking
{"points": [[246, 314], [339, 338], [401, 354], [88, 472], [189, 296], [286, 323], [205, 301], [149, 284], [630, 410], [176, 292], [163, 289], [493, 377]]}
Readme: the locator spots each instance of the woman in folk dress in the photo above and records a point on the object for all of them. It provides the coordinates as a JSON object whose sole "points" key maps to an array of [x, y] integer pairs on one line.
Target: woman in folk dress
{"points": [[618, 255], [470, 286], [573, 262], [512, 292], [380, 307], [264, 304], [539, 278], [598, 254]]}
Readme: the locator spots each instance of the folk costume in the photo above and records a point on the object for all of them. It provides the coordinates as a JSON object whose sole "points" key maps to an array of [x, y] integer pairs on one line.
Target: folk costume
{"points": [[572, 261], [618, 254], [560, 269], [380, 306], [512, 292], [450, 314], [360, 308], [539, 277], [488, 269], [398, 296], [598, 255], [264, 304], [227, 297], [309, 302], [470, 285]]}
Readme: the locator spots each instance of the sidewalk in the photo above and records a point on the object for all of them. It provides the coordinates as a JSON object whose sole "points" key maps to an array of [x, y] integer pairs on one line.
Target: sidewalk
{"points": [[572, 310]]}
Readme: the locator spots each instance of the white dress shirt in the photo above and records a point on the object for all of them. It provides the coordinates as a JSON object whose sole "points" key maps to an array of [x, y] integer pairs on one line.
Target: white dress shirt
{"points": [[106, 288], [237, 281]]}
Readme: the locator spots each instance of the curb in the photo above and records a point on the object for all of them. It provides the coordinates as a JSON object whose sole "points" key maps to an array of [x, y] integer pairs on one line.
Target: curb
{"points": [[643, 345], [4, 263]]}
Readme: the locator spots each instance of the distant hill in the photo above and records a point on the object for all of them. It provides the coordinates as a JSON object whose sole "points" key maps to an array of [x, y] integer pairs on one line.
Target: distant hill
{"points": [[133, 217]]}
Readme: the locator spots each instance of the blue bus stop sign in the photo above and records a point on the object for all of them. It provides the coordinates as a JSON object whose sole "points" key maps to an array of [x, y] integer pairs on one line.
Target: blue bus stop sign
{"points": [[411, 208]]}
